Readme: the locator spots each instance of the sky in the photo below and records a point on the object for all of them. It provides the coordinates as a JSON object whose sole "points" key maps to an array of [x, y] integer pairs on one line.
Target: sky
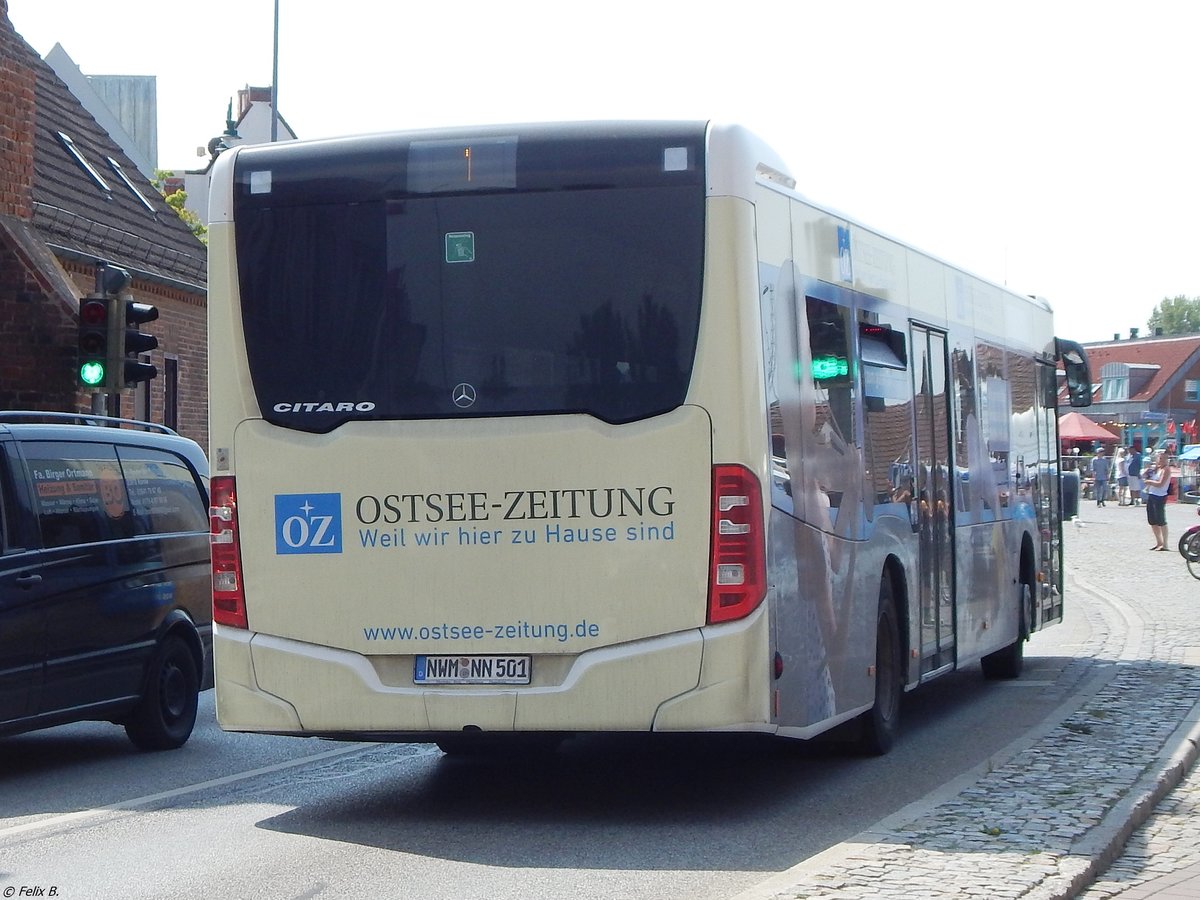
{"points": [[1048, 145]]}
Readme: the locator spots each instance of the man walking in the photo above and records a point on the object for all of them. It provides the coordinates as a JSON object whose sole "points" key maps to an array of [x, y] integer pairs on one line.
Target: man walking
{"points": [[1101, 467], [1135, 477]]}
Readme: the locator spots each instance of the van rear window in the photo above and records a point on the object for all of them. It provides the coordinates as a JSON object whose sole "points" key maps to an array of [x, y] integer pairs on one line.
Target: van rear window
{"points": [[163, 496]]}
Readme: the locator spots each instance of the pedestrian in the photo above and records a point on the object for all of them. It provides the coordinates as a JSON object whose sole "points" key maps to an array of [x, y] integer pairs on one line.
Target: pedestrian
{"points": [[1122, 477], [1101, 467], [1158, 485], [1135, 476]]}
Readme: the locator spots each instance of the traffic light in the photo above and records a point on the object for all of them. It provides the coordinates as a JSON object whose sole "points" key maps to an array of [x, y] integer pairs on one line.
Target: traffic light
{"points": [[134, 341], [110, 334], [94, 313], [97, 329]]}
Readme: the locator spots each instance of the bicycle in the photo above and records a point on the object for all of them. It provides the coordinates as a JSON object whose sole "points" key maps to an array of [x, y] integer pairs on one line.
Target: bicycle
{"points": [[1189, 548]]}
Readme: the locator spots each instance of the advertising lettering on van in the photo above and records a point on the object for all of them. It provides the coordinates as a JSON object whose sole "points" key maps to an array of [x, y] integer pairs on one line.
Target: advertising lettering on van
{"points": [[312, 523]]}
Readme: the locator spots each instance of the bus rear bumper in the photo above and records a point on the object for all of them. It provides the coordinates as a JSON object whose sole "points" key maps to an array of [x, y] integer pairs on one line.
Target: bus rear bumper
{"points": [[688, 681]]}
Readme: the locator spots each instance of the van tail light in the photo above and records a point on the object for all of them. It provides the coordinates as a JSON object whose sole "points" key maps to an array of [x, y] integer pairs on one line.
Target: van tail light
{"points": [[737, 578], [229, 599]]}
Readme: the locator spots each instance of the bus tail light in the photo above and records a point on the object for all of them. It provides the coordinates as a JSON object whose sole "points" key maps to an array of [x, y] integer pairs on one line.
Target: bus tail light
{"points": [[229, 599], [737, 577]]}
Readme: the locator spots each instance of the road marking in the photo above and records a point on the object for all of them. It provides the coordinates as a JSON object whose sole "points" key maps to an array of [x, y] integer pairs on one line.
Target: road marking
{"points": [[1019, 683], [80, 815]]}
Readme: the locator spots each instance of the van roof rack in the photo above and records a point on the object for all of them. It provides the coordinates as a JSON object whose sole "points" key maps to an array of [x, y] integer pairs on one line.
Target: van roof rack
{"points": [[75, 418]]}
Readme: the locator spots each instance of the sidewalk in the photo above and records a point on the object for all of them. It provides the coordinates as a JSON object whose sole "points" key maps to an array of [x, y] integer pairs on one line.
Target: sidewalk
{"points": [[1050, 816], [1162, 858]]}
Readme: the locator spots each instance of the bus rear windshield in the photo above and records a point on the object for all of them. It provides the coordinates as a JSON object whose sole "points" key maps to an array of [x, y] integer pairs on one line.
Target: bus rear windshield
{"points": [[503, 303]]}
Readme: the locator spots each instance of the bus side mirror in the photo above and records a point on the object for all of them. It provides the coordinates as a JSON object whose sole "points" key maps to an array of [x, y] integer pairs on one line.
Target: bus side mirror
{"points": [[1079, 376]]}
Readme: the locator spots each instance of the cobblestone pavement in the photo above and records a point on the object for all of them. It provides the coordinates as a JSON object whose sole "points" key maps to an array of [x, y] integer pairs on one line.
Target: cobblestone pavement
{"points": [[1050, 816]]}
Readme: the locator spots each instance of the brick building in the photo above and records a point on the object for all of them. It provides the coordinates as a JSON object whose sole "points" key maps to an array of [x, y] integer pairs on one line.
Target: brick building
{"points": [[1147, 390], [70, 198]]}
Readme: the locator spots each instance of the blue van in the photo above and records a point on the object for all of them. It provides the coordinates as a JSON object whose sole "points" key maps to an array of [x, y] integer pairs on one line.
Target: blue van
{"points": [[105, 589]]}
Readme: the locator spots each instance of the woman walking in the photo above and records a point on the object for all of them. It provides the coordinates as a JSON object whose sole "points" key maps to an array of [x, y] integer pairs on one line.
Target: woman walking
{"points": [[1157, 482]]}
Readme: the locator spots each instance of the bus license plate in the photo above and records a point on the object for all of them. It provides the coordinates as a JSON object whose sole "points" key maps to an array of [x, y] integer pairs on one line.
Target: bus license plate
{"points": [[472, 670]]}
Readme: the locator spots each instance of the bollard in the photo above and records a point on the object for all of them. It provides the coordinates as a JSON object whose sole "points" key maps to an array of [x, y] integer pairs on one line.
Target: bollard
{"points": [[1070, 494]]}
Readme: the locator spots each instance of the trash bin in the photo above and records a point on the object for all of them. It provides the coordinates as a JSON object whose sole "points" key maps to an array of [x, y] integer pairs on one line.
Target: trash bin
{"points": [[1070, 494]]}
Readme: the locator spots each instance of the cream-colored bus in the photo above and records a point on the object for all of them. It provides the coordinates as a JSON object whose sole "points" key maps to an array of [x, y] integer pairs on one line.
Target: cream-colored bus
{"points": [[549, 429]]}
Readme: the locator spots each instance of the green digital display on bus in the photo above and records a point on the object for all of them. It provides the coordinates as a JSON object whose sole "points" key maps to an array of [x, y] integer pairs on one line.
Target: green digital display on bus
{"points": [[826, 367]]}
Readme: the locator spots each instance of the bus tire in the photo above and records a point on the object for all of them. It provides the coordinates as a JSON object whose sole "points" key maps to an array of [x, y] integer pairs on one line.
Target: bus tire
{"points": [[1007, 662], [165, 716], [881, 723]]}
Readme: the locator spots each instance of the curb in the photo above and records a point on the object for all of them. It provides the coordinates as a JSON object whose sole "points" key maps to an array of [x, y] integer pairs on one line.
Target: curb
{"points": [[1098, 850], [1105, 844]]}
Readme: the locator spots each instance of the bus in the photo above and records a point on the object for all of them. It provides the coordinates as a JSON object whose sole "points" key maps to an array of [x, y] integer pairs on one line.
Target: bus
{"points": [[522, 432]]}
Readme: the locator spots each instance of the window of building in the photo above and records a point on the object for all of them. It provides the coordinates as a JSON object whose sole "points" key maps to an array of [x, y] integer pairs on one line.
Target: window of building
{"points": [[1115, 381], [141, 394], [171, 393], [69, 144], [116, 167], [1114, 387], [1191, 390]]}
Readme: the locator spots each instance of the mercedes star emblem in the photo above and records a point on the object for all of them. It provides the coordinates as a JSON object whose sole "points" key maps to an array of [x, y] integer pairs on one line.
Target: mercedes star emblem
{"points": [[463, 395]]}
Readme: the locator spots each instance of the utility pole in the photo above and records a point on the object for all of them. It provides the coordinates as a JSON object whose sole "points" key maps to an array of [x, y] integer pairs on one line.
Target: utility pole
{"points": [[275, 81]]}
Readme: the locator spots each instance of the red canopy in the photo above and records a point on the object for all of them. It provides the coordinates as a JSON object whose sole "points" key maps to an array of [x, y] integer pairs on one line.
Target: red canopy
{"points": [[1075, 426]]}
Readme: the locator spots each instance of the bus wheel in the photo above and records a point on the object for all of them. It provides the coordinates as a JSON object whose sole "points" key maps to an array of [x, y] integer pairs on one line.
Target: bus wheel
{"points": [[879, 726], [1007, 662], [166, 714]]}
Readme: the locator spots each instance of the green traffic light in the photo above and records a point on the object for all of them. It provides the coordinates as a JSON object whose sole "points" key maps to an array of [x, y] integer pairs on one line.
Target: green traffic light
{"points": [[92, 373]]}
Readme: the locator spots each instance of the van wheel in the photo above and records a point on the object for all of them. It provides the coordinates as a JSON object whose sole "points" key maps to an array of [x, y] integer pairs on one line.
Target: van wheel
{"points": [[166, 714], [880, 725], [1007, 662]]}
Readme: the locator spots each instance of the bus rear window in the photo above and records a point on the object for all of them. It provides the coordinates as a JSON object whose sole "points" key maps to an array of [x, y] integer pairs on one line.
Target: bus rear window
{"points": [[475, 304]]}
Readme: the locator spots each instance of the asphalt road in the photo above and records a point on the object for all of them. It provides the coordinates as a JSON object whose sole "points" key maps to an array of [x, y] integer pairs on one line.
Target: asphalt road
{"points": [[606, 817]]}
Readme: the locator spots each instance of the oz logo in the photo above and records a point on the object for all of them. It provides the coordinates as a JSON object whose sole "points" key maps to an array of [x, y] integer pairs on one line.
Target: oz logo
{"points": [[308, 523]]}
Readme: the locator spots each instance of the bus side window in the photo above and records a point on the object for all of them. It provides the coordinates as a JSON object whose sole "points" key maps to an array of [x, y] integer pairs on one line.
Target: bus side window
{"points": [[982, 438], [887, 418], [830, 439], [888, 437]]}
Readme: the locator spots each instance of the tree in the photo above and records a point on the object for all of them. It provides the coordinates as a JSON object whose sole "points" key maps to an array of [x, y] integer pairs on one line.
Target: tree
{"points": [[177, 200], [1176, 315]]}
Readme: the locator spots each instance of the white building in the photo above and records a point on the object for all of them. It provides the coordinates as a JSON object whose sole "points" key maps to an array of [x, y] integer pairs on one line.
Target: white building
{"points": [[252, 126]]}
